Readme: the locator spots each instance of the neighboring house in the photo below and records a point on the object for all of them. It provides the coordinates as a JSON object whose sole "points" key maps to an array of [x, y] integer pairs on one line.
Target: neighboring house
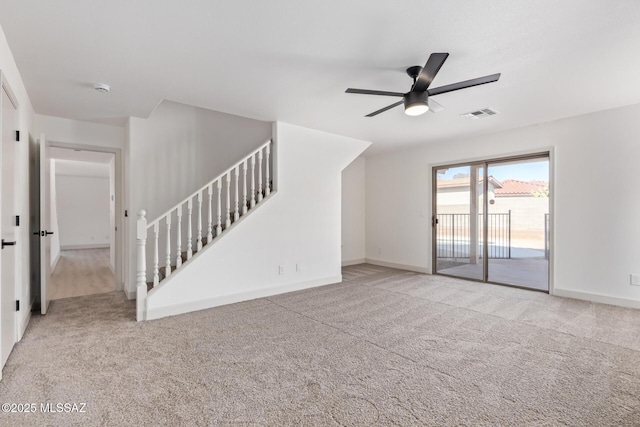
{"points": [[454, 195]]}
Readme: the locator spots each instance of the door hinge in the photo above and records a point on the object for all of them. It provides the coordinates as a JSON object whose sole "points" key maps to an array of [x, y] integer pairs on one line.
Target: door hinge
{"points": [[17, 220], [18, 136], [17, 305], [126, 214]]}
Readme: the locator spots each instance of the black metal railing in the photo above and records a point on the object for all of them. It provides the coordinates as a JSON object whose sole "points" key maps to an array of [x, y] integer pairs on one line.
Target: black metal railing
{"points": [[453, 235]]}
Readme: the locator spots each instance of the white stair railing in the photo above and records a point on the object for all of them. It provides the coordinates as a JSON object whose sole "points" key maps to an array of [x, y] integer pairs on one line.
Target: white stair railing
{"points": [[222, 183]]}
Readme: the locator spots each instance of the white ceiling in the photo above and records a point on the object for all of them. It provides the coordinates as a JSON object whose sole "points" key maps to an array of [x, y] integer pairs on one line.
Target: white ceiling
{"points": [[292, 60]]}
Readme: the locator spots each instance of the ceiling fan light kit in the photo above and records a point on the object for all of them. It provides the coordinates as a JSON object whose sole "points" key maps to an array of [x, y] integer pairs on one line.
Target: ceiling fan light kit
{"points": [[416, 101]]}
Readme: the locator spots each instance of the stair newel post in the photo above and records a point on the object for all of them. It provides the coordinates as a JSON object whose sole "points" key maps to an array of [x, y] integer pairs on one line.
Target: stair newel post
{"points": [[210, 217], [168, 258], [253, 181], [179, 237], [227, 220], [219, 223], [156, 257], [260, 175], [236, 213], [189, 230], [141, 277], [267, 186], [199, 234], [244, 187]]}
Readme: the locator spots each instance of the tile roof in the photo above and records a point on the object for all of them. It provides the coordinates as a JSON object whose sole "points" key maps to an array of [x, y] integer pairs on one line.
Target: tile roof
{"points": [[514, 187], [464, 182]]}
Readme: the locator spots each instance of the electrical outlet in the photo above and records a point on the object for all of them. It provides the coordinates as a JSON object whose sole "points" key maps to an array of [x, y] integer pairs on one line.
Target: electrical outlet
{"points": [[298, 267], [280, 270], [635, 279], [379, 251]]}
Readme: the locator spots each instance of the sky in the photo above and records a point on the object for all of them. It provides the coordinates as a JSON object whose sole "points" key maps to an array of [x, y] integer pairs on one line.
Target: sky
{"points": [[532, 170]]}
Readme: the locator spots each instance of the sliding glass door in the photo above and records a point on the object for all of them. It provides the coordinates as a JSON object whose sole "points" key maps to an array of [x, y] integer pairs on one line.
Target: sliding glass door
{"points": [[458, 237], [501, 238]]}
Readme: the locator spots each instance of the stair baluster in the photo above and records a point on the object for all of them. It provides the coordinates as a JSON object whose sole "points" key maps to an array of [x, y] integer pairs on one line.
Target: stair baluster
{"points": [[179, 237], [156, 258], [227, 220], [219, 226], [189, 230], [210, 218], [253, 181], [267, 189], [260, 176], [236, 213], [244, 187], [199, 236], [168, 260]]}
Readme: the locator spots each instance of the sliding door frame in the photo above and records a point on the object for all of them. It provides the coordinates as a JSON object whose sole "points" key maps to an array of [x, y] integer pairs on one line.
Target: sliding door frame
{"points": [[484, 165]]}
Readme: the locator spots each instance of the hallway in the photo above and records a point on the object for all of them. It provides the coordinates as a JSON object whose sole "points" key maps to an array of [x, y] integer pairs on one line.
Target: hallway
{"points": [[82, 272]]}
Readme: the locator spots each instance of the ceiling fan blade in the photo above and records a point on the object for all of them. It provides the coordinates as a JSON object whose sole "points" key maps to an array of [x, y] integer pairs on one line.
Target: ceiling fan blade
{"points": [[382, 110], [373, 92], [463, 85], [429, 71]]}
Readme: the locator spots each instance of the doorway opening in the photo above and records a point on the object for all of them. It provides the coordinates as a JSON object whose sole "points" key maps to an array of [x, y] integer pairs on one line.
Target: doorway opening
{"points": [[503, 237], [82, 218]]}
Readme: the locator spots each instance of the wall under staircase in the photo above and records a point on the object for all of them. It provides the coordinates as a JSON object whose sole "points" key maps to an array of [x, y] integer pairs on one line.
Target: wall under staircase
{"points": [[290, 242]]}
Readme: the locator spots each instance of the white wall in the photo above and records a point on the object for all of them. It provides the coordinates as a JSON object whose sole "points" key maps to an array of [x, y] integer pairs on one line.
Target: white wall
{"points": [[353, 212], [177, 150], [53, 213], [596, 222], [10, 72], [83, 211], [59, 129], [299, 224]]}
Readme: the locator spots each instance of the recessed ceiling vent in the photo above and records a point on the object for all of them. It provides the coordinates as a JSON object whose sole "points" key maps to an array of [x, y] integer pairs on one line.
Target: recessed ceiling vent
{"points": [[480, 114]]}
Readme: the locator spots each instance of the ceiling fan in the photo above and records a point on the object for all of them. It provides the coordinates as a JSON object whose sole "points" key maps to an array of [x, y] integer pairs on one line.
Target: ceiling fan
{"points": [[416, 101]]}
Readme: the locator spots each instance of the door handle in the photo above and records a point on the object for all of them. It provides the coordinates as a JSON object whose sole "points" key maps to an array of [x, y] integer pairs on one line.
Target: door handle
{"points": [[7, 244], [46, 233], [434, 221]]}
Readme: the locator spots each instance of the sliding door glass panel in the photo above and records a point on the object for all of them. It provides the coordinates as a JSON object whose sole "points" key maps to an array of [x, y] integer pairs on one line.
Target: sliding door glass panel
{"points": [[458, 228], [518, 223]]}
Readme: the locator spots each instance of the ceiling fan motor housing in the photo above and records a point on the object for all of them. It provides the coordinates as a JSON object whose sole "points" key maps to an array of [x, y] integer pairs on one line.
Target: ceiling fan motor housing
{"points": [[416, 100]]}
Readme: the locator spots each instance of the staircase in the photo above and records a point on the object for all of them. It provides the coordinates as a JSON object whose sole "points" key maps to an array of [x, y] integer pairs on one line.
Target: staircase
{"points": [[227, 199]]}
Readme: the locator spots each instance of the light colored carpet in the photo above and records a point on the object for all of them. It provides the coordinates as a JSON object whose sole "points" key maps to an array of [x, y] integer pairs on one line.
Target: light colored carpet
{"points": [[82, 272], [386, 347]]}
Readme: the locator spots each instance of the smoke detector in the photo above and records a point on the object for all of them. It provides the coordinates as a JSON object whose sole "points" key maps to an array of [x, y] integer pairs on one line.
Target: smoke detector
{"points": [[480, 114], [101, 87]]}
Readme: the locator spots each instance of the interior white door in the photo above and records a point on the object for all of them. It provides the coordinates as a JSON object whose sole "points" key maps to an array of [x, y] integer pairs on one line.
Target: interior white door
{"points": [[45, 224], [8, 225]]}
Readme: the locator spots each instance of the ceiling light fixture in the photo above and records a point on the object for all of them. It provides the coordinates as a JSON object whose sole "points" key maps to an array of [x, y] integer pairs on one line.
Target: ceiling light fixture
{"points": [[101, 87], [415, 103]]}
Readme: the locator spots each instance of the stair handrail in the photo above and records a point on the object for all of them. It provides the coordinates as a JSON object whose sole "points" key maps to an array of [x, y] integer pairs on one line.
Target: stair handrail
{"points": [[204, 187]]}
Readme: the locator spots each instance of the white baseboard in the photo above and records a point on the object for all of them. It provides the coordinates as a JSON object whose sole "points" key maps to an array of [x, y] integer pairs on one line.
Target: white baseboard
{"points": [[24, 323], [353, 262], [172, 310], [593, 297], [90, 246], [398, 266], [131, 295]]}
